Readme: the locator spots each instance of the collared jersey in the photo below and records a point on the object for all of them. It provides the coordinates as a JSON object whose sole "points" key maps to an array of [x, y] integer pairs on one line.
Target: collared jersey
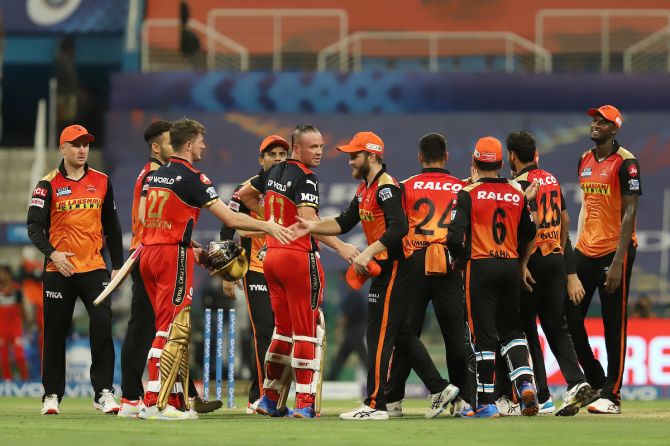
{"points": [[490, 218], [378, 206], [177, 191], [286, 187], [71, 215], [603, 184], [428, 198], [548, 203], [140, 190], [251, 245]]}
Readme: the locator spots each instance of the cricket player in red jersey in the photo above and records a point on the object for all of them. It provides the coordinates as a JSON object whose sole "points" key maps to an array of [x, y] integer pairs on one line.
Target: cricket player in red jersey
{"points": [[378, 207], [491, 228], [294, 275], [176, 193], [12, 315]]}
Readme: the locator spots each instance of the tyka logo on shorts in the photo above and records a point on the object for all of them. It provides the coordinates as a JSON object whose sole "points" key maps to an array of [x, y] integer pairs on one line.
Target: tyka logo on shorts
{"points": [[54, 294]]}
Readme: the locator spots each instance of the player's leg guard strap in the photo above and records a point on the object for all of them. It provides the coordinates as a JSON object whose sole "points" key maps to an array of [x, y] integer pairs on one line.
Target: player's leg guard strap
{"points": [[511, 344], [174, 361], [514, 374], [281, 338]]}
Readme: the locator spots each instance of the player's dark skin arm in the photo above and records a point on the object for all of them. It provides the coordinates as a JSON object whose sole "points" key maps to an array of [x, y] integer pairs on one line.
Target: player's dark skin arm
{"points": [[459, 230], [615, 271]]}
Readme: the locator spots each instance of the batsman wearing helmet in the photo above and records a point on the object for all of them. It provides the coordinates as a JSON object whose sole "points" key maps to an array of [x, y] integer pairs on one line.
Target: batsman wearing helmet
{"points": [[177, 191]]}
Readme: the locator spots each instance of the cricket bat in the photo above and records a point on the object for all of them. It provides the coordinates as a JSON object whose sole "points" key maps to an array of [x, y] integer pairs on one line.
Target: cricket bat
{"points": [[122, 274]]}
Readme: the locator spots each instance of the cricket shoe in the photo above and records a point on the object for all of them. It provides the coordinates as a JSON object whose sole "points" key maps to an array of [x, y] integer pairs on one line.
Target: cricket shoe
{"points": [[547, 407], [484, 411], [439, 401], [459, 408], [529, 404], [365, 413], [394, 409], [574, 398], [251, 407], [268, 407], [130, 408], [201, 405], [305, 412], [508, 408], [106, 403], [605, 406], [50, 405], [169, 413]]}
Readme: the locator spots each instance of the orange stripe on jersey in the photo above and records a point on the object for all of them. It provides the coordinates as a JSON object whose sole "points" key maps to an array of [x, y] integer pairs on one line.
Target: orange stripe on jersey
{"points": [[382, 335]]}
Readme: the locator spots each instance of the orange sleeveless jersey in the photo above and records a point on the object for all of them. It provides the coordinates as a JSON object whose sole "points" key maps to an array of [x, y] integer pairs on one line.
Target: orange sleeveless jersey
{"points": [[140, 190], [603, 184], [495, 215], [76, 218], [548, 204], [428, 198]]}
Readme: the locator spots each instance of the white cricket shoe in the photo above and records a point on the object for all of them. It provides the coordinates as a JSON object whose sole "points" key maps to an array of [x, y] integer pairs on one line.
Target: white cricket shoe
{"points": [[365, 413], [106, 403], [574, 398], [394, 409], [547, 407], [605, 406], [169, 413], [50, 406], [459, 407], [439, 401], [251, 407], [130, 408], [507, 407]]}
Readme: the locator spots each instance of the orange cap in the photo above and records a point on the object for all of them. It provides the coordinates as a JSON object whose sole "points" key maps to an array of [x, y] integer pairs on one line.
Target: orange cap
{"points": [[72, 132], [364, 141], [609, 112], [488, 150], [355, 280], [274, 140]]}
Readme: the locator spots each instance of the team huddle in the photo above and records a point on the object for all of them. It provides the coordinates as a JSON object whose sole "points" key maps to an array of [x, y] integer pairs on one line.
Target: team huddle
{"points": [[490, 253]]}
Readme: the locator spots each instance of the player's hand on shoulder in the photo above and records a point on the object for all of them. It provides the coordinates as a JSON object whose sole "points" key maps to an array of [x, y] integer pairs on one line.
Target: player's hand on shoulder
{"points": [[61, 260], [575, 289]]}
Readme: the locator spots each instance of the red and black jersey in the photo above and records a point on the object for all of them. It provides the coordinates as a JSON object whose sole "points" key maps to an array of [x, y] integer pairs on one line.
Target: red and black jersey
{"points": [[251, 245], [427, 199], [140, 190], [175, 195], [548, 204], [490, 219], [286, 187], [74, 215], [603, 183], [378, 206]]}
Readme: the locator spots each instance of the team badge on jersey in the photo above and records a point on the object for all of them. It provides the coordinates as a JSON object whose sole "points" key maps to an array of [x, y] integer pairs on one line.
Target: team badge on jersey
{"points": [[385, 193], [62, 191], [586, 172], [634, 184]]}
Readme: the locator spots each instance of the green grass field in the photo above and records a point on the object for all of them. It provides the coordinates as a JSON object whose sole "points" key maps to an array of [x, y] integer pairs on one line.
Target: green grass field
{"points": [[641, 423]]}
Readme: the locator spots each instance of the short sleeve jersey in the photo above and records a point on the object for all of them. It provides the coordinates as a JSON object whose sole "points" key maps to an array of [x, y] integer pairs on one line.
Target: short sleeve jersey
{"points": [[286, 187], [428, 198], [73, 209], [548, 203], [140, 190], [603, 184], [176, 193]]}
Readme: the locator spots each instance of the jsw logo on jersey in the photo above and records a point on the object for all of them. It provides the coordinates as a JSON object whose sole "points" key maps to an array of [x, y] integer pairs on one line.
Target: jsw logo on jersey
{"points": [[491, 195], [436, 185], [309, 197], [258, 288]]}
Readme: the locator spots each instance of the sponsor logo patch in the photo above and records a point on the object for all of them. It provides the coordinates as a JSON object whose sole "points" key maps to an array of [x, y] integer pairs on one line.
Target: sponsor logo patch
{"points": [[632, 170], [311, 198], [79, 203], [373, 147], [586, 172], [62, 191], [385, 194], [313, 183], [596, 188], [204, 179], [37, 202], [54, 294], [211, 192], [39, 192], [234, 206], [633, 184]]}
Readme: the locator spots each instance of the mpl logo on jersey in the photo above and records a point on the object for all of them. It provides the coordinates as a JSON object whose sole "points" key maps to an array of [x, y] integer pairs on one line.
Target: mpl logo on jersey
{"points": [[647, 352]]}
